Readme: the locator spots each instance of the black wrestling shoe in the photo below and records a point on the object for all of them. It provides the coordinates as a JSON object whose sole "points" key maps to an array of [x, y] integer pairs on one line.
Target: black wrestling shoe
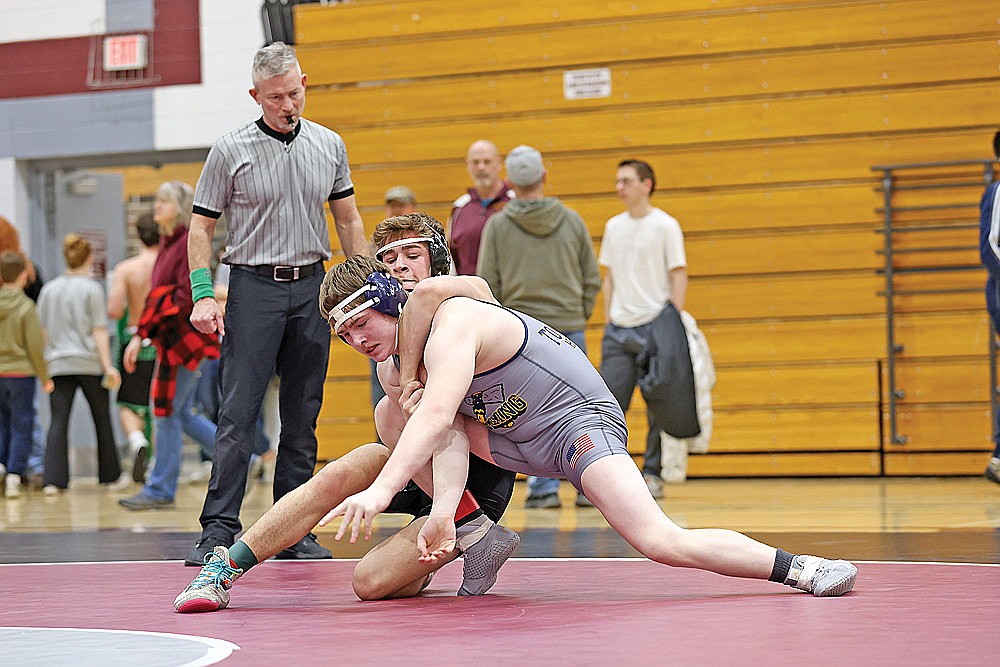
{"points": [[305, 549], [205, 546]]}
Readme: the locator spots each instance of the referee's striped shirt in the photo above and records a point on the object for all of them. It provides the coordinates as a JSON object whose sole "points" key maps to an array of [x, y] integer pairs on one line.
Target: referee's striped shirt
{"points": [[272, 188]]}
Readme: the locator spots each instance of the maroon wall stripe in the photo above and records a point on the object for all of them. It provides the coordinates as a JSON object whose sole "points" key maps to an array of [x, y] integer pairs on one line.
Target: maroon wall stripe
{"points": [[62, 66]]}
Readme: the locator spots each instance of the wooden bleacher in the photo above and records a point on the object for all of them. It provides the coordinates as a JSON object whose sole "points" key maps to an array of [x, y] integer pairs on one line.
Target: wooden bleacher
{"points": [[763, 125]]}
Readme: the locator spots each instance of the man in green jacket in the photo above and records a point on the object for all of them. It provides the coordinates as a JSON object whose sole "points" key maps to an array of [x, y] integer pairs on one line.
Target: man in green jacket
{"points": [[538, 258]]}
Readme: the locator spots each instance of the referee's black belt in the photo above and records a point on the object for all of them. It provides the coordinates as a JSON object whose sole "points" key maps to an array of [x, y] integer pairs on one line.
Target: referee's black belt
{"points": [[284, 274]]}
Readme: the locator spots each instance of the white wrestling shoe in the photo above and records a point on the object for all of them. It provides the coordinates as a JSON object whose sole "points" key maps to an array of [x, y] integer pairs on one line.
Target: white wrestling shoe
{"points": [[210, 589], [821, 577], [483, 560]]}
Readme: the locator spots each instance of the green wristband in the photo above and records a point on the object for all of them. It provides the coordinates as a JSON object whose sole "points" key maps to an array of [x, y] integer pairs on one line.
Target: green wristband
{"points": [[201, 284]]}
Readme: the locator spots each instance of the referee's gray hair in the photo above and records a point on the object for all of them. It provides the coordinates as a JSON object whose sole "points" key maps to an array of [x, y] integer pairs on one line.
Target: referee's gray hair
{"points": [[273, 60]]}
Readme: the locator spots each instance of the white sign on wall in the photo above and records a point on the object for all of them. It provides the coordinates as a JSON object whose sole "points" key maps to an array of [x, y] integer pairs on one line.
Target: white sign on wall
{"points": [[582, 84]]}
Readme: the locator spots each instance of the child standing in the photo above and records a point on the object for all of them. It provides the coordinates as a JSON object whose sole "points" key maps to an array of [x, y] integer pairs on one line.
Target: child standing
{"points": [[22, 358], [74, 313]]}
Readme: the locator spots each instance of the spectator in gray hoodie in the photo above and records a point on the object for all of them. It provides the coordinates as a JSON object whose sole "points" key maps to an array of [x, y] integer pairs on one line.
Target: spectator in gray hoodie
{"points": [[538, 258]]}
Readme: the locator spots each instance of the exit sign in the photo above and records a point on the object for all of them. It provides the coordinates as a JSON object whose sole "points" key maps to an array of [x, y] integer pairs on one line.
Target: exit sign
{"points": [[124, 52]]}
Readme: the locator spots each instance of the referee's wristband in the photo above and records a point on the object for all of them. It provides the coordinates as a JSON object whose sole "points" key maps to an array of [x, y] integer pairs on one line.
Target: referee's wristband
{"points": [[201, 284]]}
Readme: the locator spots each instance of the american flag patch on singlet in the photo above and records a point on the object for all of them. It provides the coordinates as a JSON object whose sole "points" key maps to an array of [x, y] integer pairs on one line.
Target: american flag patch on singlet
{"points": [[582, 445]]}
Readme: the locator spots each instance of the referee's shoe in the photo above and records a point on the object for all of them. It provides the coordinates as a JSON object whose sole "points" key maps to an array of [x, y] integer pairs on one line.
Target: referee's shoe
{"points": [[305, 549]]}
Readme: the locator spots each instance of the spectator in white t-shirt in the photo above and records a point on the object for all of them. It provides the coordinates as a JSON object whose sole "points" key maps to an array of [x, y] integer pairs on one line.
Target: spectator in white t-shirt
{"points": [[646, 268]]}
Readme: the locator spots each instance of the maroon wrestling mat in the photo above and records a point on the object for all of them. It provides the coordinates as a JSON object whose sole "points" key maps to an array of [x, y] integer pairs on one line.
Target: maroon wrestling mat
{"points": [[551, 612]]}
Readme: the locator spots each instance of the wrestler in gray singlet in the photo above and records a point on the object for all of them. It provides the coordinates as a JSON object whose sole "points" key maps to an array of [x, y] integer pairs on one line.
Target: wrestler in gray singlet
{"points": [[548, 411]]}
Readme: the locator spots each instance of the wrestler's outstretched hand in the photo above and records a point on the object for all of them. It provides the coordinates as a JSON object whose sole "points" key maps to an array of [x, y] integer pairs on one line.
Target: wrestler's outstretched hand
{"points": [[436, 538], [409, 397], [359, 511]]}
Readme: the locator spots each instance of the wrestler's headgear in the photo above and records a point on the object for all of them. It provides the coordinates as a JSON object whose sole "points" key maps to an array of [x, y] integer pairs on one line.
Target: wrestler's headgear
{"points": [[380, 291], [437, 244]]}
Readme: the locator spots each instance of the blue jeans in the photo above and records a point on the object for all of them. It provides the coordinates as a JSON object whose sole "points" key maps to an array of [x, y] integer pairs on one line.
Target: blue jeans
{"points": [[17, 414], [543, 486], [206, 402], [36, 459], [162, 481]]}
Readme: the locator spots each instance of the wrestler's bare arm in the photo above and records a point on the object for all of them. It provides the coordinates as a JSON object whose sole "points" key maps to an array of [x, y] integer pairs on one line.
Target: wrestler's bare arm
{"points": [[422, 304], [450, 359]]}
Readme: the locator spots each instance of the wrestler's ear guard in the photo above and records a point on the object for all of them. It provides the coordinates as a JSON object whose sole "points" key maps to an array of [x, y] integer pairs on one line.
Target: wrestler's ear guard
{"points": [[380, 291]]}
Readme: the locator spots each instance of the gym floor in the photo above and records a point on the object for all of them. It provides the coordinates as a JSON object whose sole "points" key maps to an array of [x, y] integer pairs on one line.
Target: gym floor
{"points": [[89, 582]]}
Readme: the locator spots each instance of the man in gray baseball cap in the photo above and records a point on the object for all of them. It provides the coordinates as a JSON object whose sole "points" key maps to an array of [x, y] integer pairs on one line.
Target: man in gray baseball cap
{"points": [[399, 200], [538, 258]]}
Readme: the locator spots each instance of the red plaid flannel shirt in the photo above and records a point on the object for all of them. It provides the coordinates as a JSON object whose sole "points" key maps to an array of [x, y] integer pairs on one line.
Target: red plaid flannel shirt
{"points": [[178, 342]]}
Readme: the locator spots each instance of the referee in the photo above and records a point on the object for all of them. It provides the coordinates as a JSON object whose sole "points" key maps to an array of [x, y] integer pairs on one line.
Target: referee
{"points": [[270, 179]]}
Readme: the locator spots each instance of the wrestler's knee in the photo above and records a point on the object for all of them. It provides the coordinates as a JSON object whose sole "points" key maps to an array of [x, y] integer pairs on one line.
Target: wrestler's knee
{"points": [[670, 547], [368, 583], [374, 581]]}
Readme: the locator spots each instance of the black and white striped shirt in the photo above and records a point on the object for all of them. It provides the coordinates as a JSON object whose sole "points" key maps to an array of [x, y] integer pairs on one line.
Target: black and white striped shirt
{"points": [[272, 188]]}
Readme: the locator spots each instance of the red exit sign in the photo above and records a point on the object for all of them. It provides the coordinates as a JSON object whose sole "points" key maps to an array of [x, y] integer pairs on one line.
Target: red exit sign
{"points": [[123, 52]]}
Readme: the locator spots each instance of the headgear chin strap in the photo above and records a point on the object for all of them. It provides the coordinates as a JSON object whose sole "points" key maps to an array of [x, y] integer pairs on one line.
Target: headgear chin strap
{"points": [[383, 293]]}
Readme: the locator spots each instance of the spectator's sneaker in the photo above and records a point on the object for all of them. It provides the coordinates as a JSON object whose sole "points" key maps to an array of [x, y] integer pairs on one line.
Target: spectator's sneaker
{"points": [[13, 489], [254, 471], [821, 577], [140, 459], [544, 501], [483, 560], [654, 484], [305, 549], [210, 589], [202, 473], [144, 502], [993, 470], [206, 546], [123, 482]]}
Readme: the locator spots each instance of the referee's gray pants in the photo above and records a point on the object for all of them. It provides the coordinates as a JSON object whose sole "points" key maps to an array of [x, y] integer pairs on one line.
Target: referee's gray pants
{"points": [[270, 327]]}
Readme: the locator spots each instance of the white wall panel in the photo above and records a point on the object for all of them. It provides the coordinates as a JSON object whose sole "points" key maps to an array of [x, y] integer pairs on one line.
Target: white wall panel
{"points": [[25, 20], [195, 116]]}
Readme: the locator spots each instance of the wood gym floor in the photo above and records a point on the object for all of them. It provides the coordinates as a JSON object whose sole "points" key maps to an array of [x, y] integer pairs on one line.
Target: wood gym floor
{"points": [[85, 581]]}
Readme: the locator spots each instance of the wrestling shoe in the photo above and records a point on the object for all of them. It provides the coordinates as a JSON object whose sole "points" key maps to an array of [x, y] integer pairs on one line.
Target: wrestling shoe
{"points": [[210, 589], [483, 560], [821, 577]]}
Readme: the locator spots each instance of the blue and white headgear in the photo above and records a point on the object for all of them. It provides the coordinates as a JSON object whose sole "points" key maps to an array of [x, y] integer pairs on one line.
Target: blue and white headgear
{"points": [[380, 291], [437, 244]]}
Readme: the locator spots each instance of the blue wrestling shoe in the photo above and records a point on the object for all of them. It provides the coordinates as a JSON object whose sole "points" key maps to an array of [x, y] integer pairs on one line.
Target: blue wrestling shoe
{"points": [[210, 589], [483, 560]]}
